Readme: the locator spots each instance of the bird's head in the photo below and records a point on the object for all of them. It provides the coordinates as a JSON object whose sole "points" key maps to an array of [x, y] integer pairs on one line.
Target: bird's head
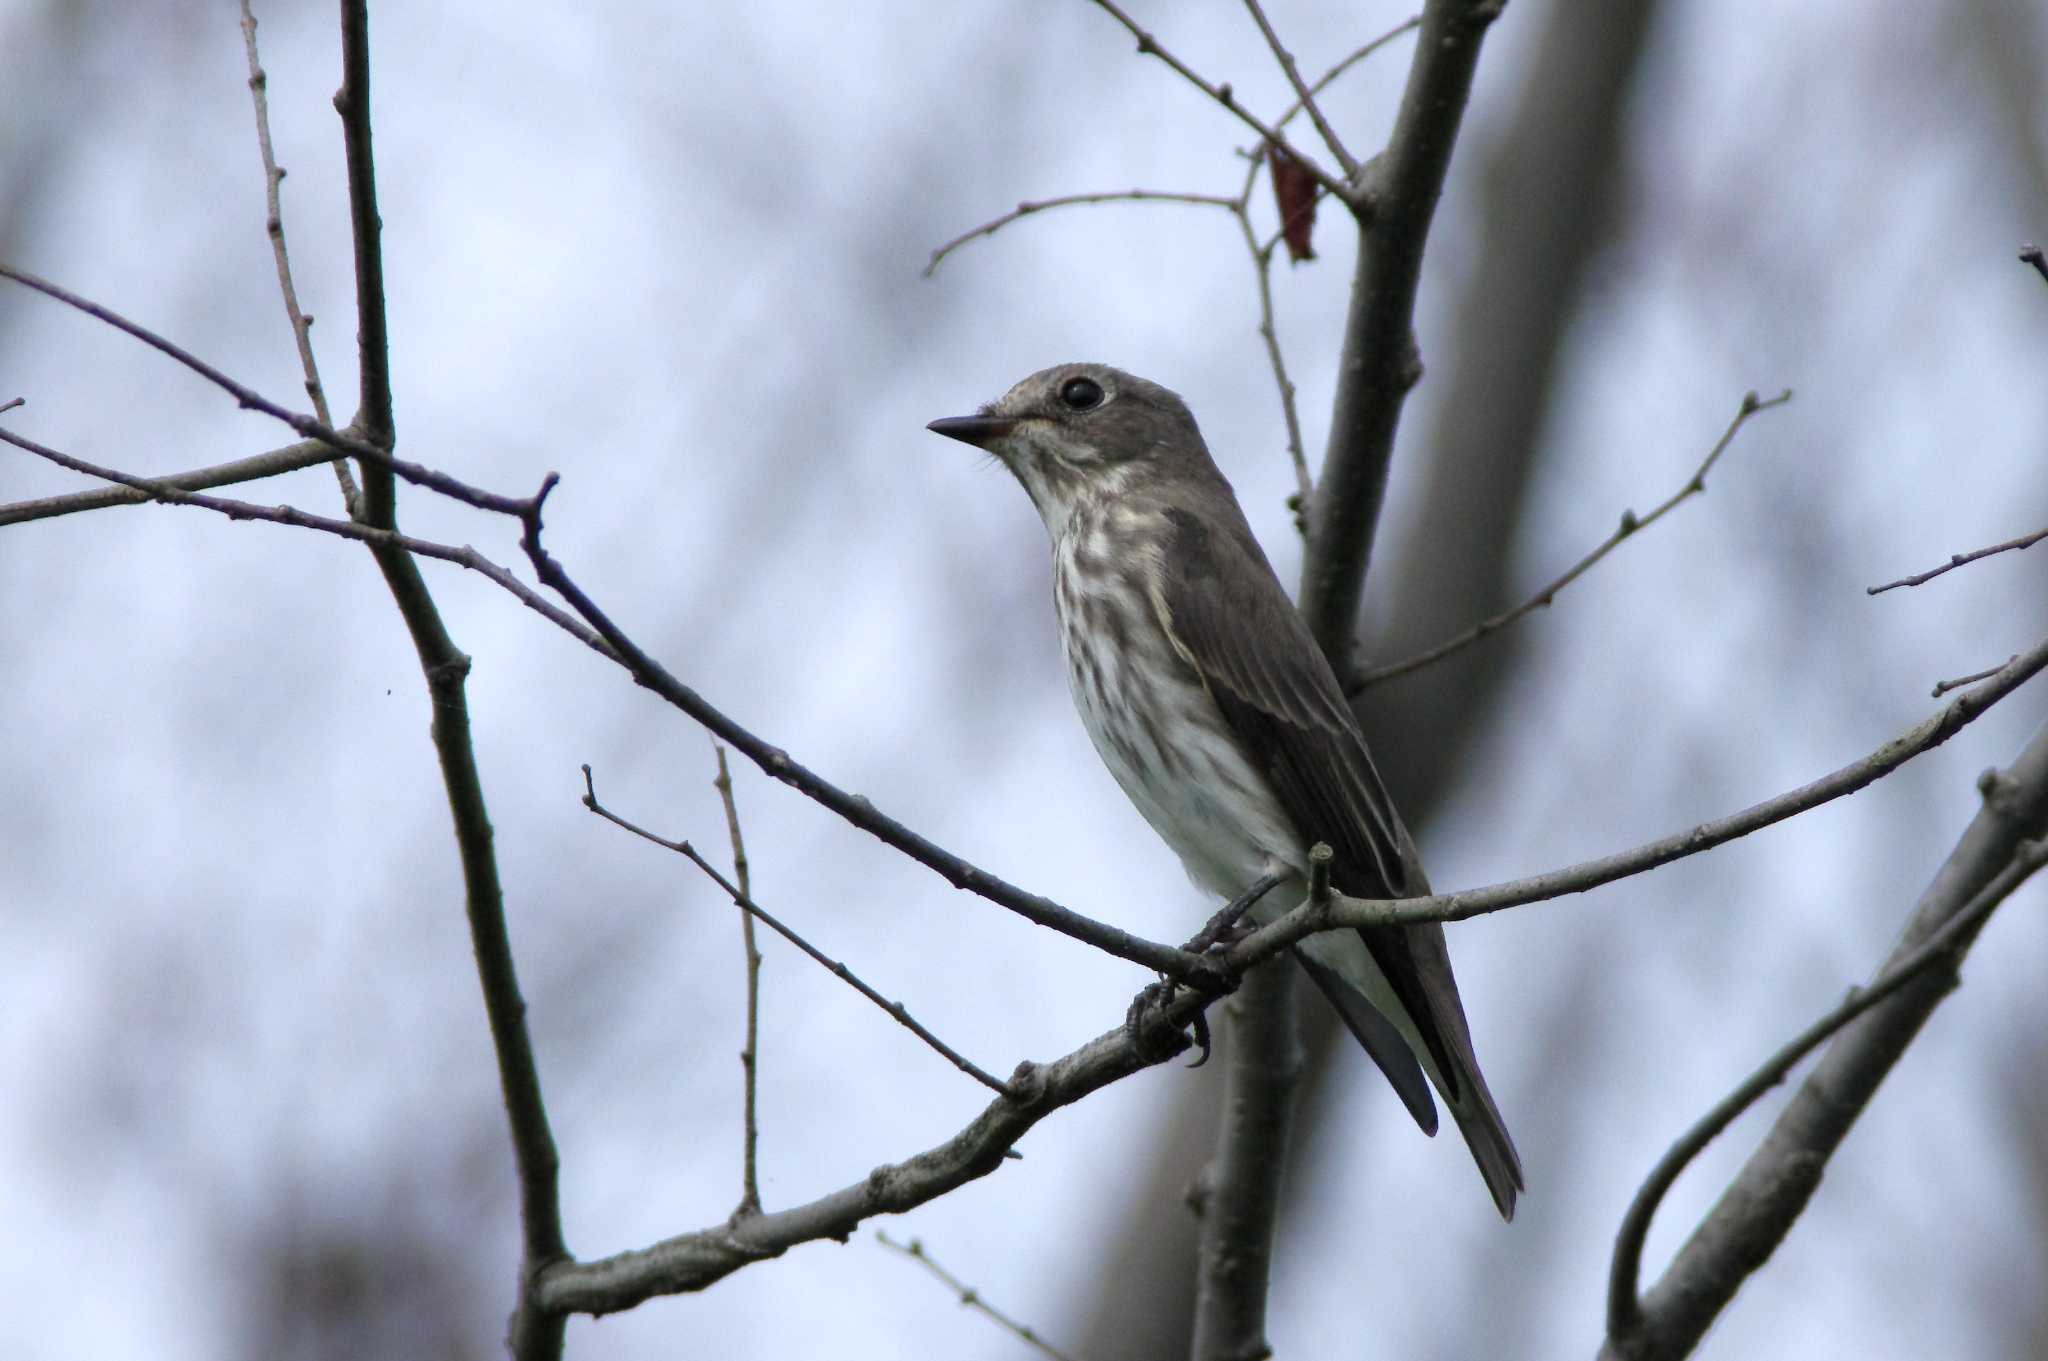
{"points": [[1076, 431]]}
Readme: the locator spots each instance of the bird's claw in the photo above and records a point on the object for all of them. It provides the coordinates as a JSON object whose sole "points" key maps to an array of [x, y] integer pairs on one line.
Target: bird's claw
{"points": [[1154, 1036]]}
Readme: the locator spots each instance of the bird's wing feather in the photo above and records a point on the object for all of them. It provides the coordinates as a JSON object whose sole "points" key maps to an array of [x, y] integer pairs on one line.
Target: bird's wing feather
{"points": [[1230, 619]]}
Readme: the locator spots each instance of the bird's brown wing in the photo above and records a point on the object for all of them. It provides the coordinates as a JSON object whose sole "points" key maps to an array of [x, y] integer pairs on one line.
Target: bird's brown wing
{"points": [[1230, 619]]}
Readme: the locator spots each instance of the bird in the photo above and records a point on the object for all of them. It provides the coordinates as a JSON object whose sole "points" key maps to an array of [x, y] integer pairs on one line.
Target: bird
{"points": [[1211, 704]]}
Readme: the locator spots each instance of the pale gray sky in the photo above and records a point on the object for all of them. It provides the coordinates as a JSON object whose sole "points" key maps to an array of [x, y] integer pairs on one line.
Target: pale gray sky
{"points": [[675, 255]]}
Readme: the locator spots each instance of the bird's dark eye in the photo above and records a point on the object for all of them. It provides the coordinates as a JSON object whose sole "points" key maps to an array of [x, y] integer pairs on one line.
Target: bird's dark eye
{"points": [[1081, 393]]}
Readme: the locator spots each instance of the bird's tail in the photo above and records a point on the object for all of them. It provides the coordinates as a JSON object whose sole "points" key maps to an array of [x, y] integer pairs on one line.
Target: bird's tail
{"points": [[1348, 970]]}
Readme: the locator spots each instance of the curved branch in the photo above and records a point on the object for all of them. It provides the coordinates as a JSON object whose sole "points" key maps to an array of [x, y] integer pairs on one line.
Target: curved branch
{"points": [[1624, 1309], [1767, 1196]]}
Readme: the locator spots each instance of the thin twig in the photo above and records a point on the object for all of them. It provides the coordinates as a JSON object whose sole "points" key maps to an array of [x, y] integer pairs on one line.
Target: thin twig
{"points": [[1222, 94], [750, 1185], [698, 1260], [971, 1297], [1030, 206], [1195, 970], [747, 905], [1262, 274], [2024, 541], [273, 224], [1304, 96], [290, 458], [2031, 254], [168, 491], [1322, 82], [348, 442], [1943, 687], [1630, 525], [1623, 1303], [1922, 737]]}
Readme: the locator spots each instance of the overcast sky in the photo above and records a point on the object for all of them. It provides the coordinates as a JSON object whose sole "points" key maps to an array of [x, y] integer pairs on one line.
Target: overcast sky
{"points": [[674, 253]]}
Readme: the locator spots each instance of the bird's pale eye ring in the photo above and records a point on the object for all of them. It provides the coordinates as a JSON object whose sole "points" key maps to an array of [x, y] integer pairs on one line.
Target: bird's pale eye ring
{"points": [[1081, 394]]}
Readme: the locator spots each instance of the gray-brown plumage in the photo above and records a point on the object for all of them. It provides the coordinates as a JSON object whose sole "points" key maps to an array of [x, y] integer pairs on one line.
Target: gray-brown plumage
{"points": [[1211, 704]]}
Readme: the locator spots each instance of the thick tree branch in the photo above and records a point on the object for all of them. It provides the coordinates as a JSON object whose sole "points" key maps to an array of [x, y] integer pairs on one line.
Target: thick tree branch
{"points": [[1239, 1198], [1767, 1196], [1948, 944], [1379, 364]]}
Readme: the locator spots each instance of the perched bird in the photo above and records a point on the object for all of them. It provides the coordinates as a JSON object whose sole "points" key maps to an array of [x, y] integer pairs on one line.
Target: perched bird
{"points": [[1211, 704]]}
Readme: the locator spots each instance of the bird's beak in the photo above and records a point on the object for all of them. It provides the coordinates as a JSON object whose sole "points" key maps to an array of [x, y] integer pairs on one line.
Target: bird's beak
{"points": [[979, 431]]}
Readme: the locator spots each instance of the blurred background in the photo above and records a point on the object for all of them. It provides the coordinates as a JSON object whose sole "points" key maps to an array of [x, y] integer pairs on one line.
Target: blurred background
{"points": [[675, 253]]}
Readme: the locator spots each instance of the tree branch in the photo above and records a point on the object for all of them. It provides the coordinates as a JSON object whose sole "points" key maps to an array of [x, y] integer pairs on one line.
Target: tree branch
{"points": [[1767, 1196], [694, 1261], [290, 458], [1379, 364], [971, 1298], [273, 225], [1950, 943], [751, 909], [750, 1055], [1629, 527], [1956, 560], [1304, 97], [1222, 94], [1195, 970], [1924, 736]]}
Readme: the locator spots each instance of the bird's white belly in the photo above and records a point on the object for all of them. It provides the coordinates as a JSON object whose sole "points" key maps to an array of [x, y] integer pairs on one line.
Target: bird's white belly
{"points": [[1159, 732]]}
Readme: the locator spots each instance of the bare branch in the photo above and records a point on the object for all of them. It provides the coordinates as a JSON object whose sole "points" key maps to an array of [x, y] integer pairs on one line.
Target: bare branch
{"points": [[1629, 526], [1924, 736], [273, 182], [1360, 54], [290, 458], [695, 1261], [971, 1297], [345, 441], [1304, 97], [1768, 1194], [1943, 687], [854, 808], [2031, 254], [1149, 46], [1624, 1309], [1240, 1198], [1379, 363], [1262, 274], [2024, 541], [748, 906], [750, 1182], [366, 230], [1027, 208], [169, 492]]}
